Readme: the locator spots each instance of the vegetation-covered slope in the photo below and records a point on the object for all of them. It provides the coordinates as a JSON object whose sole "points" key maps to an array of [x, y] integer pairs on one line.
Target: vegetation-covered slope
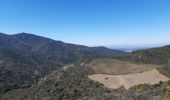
{"points": [[20, 69], [52, 48], [72, 84], [24, 58], [153, 56], [69, 84]]}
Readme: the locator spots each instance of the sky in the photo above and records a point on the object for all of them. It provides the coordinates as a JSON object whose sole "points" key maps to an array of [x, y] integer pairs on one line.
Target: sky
{"points": [[114, 23]]}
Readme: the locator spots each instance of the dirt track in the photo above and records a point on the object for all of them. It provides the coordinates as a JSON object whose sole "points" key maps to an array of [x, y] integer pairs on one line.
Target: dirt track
{"points": [[116, 81]]}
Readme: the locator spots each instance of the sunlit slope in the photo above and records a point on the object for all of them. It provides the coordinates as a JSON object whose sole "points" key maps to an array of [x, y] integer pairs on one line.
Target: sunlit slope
{"points": [[116, 67]]}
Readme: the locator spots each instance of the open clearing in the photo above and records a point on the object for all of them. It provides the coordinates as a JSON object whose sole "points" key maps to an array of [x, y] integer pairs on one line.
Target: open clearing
{"points": [[116, 67], [116, 81]]}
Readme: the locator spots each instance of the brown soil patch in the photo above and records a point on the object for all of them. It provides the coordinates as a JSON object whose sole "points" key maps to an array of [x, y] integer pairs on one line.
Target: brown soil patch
{"points": [[116, 81]]}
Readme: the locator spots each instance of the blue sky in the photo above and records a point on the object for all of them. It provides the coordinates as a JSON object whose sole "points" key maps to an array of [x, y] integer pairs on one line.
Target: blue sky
{"points": [[90, 22]]}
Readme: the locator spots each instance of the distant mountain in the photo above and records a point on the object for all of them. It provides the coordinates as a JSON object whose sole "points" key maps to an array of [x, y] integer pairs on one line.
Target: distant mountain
{"points": [[24, 58], [52, 48]]}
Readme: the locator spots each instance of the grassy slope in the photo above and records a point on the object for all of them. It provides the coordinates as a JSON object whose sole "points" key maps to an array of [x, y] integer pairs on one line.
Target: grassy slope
{"points": [[116, 67]]}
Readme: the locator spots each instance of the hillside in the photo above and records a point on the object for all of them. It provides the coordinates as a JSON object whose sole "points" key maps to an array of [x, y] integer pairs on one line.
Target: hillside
{"points": [[153, 56], [159, 56], [31, 70], [69, 84], [117, 67], [73, 84], [25, 58], [19, 69]]}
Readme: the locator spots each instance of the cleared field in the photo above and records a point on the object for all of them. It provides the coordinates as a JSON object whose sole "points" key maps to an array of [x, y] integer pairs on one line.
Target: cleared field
{"points": [[110, 81], [116, 67], [116, 81]]}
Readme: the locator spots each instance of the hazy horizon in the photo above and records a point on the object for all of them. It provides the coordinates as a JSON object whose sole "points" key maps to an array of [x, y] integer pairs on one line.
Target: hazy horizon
{"points": [[89, 22], [124, 47]]}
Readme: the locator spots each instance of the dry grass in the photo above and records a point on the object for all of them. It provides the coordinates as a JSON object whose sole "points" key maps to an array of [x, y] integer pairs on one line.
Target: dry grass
{"points": [[116, 67]]}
